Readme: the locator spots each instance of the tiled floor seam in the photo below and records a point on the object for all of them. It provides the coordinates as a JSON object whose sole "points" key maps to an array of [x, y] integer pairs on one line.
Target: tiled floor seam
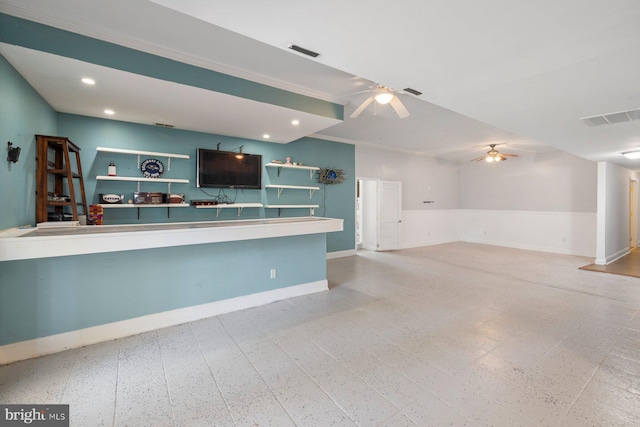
{"points": [[226, 404], [166, 381], [115, 392], [529, 282], [595, 371], [401, 410], [326, 392], [334, 358], [275, 395]]}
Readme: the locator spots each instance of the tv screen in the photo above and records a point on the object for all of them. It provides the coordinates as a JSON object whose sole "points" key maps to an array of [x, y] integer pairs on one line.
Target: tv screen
{"points": [[222, 169]]}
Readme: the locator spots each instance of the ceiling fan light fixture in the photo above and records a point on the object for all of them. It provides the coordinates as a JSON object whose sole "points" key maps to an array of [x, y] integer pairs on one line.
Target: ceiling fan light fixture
{"points": [[633, 155], [384, 98]]}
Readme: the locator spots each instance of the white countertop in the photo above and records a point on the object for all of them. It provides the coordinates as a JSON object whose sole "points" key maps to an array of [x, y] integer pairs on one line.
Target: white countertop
{"points": [[30, 243]]}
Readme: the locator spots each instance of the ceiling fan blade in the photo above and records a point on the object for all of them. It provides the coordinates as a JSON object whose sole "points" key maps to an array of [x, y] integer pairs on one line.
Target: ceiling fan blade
{"points": [[478, 159], [510, 155], [397, 105], [362, 106]]}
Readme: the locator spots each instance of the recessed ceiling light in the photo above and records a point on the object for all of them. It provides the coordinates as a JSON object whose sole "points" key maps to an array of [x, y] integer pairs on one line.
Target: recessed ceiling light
{"points": [[88, 81], [266, 136], [295, 122], [109, 112]]}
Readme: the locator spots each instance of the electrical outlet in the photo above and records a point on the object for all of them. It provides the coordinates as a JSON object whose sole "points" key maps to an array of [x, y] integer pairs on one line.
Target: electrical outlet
{"points": [[274, 273]]}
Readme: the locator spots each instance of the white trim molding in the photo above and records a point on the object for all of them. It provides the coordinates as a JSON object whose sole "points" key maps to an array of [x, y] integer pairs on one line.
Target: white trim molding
{"points": [[613, 257], [341, 254], [79, 338]]}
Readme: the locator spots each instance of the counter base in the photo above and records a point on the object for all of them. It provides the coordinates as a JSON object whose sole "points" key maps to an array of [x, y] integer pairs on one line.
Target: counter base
{"points": [[96, 334]]}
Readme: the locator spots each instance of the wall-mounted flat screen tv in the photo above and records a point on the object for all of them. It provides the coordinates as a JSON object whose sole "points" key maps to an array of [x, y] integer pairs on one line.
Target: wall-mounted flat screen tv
{"points": [[223, 169]]}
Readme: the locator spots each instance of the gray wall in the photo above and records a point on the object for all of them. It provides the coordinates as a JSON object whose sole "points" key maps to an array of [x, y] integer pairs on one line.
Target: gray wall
{"points": [[613, 212], [549, 181], [423, 177]]}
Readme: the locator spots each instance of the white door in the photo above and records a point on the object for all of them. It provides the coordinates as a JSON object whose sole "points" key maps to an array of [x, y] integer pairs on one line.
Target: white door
{"points": [[369, 206], [633, 220], [389, 214]]}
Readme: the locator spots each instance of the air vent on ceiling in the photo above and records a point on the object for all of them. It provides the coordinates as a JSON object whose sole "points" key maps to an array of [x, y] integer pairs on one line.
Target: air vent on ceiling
{"points": [[412, 91], [164, 125], [303, 50], [612, 118]]}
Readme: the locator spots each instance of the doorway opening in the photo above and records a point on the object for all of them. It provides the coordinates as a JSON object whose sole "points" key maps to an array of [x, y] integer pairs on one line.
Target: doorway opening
{"points": [[378, 214]]}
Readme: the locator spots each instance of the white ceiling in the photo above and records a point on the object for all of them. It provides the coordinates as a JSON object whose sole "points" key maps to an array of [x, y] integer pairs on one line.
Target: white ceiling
{"points": [[498, 71], [140, 99]]}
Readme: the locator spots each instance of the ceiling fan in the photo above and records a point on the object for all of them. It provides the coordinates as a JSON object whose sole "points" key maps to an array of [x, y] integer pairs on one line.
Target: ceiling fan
{"points": [[383, 95], [493, 155]]}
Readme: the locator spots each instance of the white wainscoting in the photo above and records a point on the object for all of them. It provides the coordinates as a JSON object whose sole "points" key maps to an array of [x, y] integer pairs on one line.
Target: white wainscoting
{"points": [[429, 227], [571, 233]]}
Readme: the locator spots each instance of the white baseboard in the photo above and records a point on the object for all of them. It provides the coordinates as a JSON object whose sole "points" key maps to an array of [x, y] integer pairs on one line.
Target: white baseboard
{"points": [[341, 254], [74, 339], [612, 258], [429, 243]]}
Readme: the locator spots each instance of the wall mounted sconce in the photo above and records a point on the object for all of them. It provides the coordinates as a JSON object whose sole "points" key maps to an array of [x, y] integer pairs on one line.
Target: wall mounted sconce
{"points": [[14, 153]]}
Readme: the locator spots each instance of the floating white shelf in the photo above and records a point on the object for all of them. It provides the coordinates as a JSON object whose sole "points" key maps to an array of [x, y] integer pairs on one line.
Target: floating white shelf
{"points": [[311, 169], [293, 187], [168, 181], [238, 206], [279, 207], [149, 205], [141, 179], [146, 205], [139, 153], [143, 153]]}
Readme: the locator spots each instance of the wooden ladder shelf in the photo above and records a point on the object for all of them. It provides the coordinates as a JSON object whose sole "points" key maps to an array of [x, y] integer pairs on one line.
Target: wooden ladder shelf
{"points": [[61, 170]]}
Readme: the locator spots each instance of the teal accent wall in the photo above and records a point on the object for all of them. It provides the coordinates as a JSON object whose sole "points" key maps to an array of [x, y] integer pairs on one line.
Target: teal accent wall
{"points": [[336, 201], [20, 32], [23, 113], [49, 296]]}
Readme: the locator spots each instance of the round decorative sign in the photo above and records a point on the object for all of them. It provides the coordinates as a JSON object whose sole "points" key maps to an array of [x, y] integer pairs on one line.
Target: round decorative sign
{"points": [[152, 168], [331, 176]]}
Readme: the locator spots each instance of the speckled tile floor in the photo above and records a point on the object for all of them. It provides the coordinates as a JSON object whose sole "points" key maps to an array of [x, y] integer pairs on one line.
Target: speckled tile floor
{"points": [[458, 334]]}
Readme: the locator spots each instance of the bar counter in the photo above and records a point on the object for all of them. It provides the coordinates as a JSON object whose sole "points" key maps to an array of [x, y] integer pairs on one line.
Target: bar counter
{"points": [[32, 243]]}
